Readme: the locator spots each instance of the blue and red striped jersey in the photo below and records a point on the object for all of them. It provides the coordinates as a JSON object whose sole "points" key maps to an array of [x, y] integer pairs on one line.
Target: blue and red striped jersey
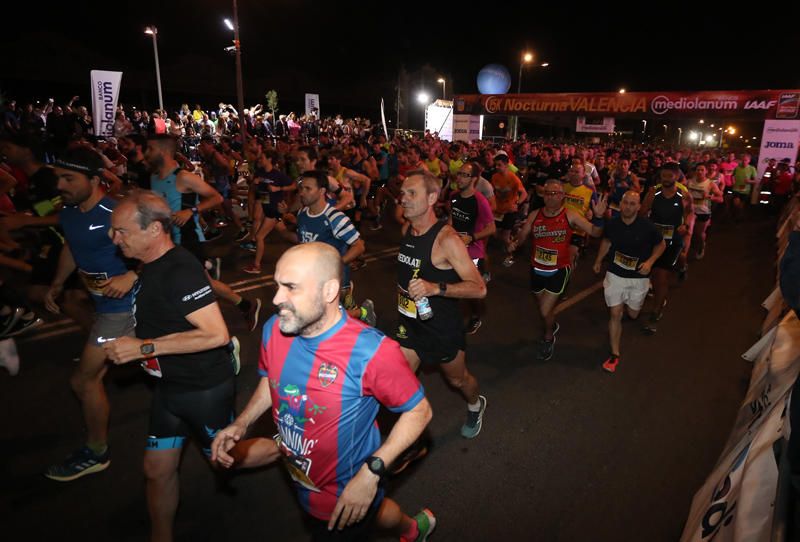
{"points": [[326, 392]]}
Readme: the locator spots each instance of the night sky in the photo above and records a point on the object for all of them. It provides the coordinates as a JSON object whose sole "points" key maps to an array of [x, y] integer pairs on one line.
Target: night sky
{"points": [[350, 52]]}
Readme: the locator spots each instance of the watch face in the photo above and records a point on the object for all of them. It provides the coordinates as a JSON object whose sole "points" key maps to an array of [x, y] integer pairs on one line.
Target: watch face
{"points": [[148, 348], [376, 465]]}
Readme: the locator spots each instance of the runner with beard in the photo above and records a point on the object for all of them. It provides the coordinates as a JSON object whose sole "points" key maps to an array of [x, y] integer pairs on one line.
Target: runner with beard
{"points": [[189, 196]]}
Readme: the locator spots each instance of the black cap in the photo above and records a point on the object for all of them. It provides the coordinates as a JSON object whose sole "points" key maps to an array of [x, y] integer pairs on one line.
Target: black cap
{"points": [[83, 160]]}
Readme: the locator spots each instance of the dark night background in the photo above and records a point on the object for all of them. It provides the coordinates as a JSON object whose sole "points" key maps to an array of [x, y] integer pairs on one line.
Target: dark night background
{"points": [[350, 53]]}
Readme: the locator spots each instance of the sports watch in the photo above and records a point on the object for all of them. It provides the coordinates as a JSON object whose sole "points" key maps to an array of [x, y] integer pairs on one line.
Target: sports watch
{"points": [[147, 348], [442, 288], [376, 466]]}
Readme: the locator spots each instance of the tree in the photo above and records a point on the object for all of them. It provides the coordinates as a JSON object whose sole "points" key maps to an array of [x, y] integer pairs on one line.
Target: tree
{"points": [[272, 101]]}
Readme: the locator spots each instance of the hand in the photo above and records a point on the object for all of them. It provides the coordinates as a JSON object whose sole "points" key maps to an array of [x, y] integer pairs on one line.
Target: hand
{"points": [[182, 217], [123, 349], [353, 503], [600, 207], [466, 238], [597, 267], [50, 298], [283, 207], [644, 268], [75, 98], [119, 286], [363, 202], [512, 245], [14, 222], [223, 442], [418, 288], [274, 188]]}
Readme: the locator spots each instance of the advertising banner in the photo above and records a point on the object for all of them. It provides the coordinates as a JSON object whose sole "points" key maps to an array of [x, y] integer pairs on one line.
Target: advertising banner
{"points": [[603, 125], [467, 127], [736, 502], [312, 105], [779, 140], [105, 93], [739, 104]]}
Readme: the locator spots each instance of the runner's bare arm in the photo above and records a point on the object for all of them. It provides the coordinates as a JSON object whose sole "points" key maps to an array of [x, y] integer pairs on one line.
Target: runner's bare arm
{"points": [[647, 203], [354, 251], [524, 231], [605, 246], [209, 198], [471, 285], [260, 402]]}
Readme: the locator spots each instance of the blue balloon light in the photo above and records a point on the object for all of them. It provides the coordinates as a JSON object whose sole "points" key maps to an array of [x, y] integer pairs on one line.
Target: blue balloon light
{"points": [[494, 79]]}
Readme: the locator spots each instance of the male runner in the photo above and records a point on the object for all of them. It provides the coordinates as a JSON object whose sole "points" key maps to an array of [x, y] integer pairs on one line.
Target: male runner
{"points": [[509, 194], [471, 216], [86, 222], [635, 244], [672, 213], [551, 227], [578, 197], [189, 196], [323, 377], [181, 340], [435, 265]]}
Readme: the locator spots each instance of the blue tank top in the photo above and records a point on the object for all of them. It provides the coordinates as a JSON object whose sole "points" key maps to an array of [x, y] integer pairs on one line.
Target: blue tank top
{"points": [[95, 254], [177, 201]]}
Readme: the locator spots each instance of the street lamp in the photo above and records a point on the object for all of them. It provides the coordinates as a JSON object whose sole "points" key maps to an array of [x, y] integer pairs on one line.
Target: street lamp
{"points": [[423, 97], [239, 87], [622, 91], [527, 58], [153, 31], [444, 87]]}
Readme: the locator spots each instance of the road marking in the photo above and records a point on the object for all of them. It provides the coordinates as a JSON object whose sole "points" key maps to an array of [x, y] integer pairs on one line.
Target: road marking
{"points": [[580, 296]]}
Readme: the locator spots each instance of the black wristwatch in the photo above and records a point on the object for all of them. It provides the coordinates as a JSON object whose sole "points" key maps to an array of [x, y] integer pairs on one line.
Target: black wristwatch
{"points": [[376, 466], [442, 288], [147, 348], [194, 210]]}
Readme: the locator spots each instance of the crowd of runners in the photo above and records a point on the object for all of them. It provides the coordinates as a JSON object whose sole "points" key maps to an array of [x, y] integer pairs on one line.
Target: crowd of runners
{"points": [[124, 221]]}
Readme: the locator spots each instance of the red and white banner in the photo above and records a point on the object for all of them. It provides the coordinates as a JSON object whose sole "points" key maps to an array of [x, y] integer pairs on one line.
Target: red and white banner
{"points": [[739, 104], [105, 93], [604, 125], [736, 502]]}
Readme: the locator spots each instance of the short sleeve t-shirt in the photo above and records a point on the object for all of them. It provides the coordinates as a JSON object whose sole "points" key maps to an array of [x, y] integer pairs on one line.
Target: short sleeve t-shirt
{"points": [[331, 227], [266, 179], [97, 257], [326, 392], [740, 177], [507, 188], [169, 289], [631, 244]]}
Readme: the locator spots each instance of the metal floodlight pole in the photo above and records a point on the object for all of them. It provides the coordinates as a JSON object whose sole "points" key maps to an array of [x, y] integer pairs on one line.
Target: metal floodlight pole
{"points": [[239, 85], [153, 31]]}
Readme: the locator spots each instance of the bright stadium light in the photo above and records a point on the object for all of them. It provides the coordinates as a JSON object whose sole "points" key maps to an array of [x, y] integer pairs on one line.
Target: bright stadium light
{"points": [[693, 136], [709, 138], [229, 24], [423, 97]]}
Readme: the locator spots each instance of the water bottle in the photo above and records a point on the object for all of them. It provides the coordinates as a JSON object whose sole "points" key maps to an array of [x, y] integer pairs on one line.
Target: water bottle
{"points": [[424, 310]]}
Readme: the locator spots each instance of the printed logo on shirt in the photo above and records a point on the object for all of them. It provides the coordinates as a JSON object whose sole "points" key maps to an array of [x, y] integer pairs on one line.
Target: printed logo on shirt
{"points": [[327, 374], [308, 237], [297, 408], [199, 294], [92, 227], [413, 262]]}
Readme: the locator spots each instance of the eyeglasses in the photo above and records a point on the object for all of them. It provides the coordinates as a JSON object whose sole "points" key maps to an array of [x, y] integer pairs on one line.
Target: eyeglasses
{"points": [[553, 193], [464, 174]]}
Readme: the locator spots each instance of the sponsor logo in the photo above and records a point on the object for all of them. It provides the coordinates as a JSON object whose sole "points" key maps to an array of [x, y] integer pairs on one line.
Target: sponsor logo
{"points": [[105, 95], [779, 145], [408, 260], [92, 227], [327, 374], [662, 104], [788, 105], [759, 104]]}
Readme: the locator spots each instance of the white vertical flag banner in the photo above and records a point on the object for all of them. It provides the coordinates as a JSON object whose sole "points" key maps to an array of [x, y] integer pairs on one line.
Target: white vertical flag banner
{"points": [[312, 105], [778, 140], [383, 120], [105, 93]]}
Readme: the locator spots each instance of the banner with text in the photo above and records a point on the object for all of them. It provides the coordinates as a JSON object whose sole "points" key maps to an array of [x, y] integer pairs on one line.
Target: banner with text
{"points": [[467, 127], [105, 93], [736, 502], [603, 125], [312, 105], [779, 140], [739, 104]]}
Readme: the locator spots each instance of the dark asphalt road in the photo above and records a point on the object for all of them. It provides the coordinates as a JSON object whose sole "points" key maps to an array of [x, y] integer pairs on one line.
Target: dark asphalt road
{"points": [[567, 452]]}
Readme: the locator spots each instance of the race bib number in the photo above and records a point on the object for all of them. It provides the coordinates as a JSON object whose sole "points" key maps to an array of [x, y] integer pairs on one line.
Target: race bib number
{"points": [[546, 256], [298, 467], [93, 281], [406, 305], [667, 231], [628, 263], [152, 367]]}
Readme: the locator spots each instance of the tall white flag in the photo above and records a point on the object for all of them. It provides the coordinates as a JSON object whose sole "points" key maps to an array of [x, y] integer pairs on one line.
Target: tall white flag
{"points": [[105, 92]]}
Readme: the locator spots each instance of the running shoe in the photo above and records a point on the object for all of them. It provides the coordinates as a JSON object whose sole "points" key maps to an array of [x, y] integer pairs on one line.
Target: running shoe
{"points": [[214, 266], [416, 451], [243, 234], [80, 463], [546, 349], [26, 323], [487, 277], [249, 246], [473, 326], [426, 523], [253, 313], [235, 350], [252, 269], [368, 314], [474, 422], [701, 253], [10, 319], [376, 226], [9, 358], [508, 261], [610, 365]]}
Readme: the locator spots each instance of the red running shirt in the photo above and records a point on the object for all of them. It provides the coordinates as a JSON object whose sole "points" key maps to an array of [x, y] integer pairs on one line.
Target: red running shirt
{"points": [[551, 240]]}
